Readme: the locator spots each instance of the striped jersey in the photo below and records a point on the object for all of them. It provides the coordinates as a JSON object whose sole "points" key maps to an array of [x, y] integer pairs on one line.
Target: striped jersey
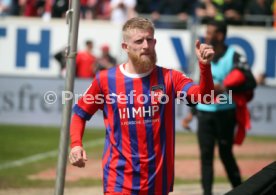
{"points": [[139, 116]]}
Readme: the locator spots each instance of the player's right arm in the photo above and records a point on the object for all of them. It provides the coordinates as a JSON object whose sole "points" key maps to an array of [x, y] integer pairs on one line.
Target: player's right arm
{"points": [[83, 111], [77, 156]]}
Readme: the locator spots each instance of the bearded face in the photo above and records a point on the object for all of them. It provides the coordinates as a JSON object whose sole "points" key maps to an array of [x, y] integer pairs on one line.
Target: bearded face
{"points": [[140, 47], [144, 61], [213, 37]]}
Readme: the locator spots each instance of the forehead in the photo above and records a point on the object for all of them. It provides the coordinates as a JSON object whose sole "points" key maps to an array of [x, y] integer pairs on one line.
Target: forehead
{"points": [[211, 28], [139, 33]]}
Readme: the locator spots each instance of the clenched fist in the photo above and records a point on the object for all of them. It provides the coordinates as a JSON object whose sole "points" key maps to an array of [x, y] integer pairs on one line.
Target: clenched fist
{"points": [[77, 156], [204, 52]]}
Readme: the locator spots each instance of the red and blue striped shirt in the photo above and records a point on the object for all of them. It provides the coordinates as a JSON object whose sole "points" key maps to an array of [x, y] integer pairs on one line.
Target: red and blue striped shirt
{"points": [[139, 116]]}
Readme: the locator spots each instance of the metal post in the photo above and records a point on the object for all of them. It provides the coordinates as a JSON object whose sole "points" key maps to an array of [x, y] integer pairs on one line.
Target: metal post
{"points": [[192, 27], [72, 17]]}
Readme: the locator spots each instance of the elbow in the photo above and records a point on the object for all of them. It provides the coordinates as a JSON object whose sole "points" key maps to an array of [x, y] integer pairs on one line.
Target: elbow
{"points": [[207, 97]]}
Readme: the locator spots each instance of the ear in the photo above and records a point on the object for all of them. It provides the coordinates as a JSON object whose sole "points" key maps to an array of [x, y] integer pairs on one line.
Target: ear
{"points": [[124, 46]]}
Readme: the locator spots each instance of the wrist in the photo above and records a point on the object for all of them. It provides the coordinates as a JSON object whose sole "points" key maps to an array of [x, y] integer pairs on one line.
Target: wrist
{"points": [[76, 148], [204, 66], [75, 144]]}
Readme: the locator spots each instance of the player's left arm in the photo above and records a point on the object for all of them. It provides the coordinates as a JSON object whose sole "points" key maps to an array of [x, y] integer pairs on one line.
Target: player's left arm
{"points": [[194, 92]]}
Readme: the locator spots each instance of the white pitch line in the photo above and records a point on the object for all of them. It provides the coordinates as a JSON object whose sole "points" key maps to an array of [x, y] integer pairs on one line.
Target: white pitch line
{"points": [[41, 156]]}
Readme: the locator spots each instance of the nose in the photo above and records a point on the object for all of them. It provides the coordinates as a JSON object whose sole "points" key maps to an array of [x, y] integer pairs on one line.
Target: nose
{"points": [[145, 44]]}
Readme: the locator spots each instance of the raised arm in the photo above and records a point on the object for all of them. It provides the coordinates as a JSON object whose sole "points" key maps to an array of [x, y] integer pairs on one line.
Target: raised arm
{"points": [[205, 54]]}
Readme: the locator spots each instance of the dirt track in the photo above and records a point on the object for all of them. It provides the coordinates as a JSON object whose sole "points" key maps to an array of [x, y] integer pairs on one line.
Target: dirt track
{"points": [[252, 157], [179, 190]]}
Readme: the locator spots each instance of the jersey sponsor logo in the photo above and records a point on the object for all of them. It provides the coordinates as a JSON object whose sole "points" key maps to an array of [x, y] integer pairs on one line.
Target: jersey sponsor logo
{"points": [[141, 111]]}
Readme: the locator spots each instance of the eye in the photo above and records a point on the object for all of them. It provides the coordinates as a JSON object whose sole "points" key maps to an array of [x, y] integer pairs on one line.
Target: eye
{"points": [[140, 41]]}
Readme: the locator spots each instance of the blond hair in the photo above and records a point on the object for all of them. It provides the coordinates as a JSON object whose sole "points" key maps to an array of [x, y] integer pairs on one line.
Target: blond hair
{"points": [[137, 23]]}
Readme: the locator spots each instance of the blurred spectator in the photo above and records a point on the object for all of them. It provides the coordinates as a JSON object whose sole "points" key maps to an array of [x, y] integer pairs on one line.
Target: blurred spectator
{"points": [[147, 6], [29, 7], [208, 9], [106, 60], [35, 8], [217, 121], [260, 79], [5, 7], [85, 62], [122, 10], [47, 12], [15, 8], [88, 8], [188, 118], [233, 11], [182, 9], [60, 56], [44, 9], [103, 10], [59, 8], [229, 10], [274, 14], [259, 7]]}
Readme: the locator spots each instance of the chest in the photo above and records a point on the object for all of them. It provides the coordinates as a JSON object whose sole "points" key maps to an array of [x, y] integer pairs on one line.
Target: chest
{"points": [[132, 98], [222, 67]]}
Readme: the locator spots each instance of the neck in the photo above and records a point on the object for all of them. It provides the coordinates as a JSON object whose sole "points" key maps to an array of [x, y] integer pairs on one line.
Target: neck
{"points": [[136, 69], [219, 49]]}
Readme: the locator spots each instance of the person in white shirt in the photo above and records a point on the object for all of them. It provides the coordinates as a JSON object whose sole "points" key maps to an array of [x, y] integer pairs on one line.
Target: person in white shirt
{"points": [[122, 10]]}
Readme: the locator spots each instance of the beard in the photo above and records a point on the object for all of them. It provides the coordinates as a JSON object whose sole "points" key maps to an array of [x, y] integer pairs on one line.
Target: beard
{"points": [[144, 63], [214, 42]]}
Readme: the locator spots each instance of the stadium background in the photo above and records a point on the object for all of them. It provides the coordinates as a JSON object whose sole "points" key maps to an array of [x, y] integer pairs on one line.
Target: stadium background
{"points": [[30, 127]]}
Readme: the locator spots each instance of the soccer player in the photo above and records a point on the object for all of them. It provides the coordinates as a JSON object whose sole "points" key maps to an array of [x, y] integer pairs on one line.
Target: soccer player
{"points": [[138, 103]]}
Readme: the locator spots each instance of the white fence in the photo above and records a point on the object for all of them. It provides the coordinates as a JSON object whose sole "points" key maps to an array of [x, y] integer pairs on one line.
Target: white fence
{"points": [[31, 101], [27, 46], [28, 69]]}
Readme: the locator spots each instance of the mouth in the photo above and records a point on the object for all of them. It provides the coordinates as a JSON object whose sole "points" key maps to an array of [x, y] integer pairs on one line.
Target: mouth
{"points": [[145, 54]]}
